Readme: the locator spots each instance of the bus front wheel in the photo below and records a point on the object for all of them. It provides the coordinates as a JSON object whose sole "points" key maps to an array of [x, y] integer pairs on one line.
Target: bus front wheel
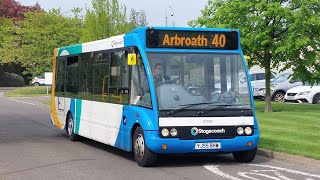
{"points": [[142, 154], [245, 156], [70, 129]]}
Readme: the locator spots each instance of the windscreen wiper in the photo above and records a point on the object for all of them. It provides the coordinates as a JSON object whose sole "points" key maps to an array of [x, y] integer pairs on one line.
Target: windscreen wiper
{"points": [[186, 107], [218, 107]]}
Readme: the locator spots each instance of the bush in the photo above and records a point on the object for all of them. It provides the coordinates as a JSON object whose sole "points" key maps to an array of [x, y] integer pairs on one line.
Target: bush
{"points": [[11, 80]]}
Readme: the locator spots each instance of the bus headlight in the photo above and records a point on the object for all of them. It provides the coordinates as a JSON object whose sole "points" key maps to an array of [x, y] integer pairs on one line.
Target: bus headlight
{"points": [[248, 130], [240, 130], [165, 132], [173, 132]]}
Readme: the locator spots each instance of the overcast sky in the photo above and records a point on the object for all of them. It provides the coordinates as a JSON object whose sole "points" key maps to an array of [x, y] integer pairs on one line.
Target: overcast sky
{"points": [[184, 10]]}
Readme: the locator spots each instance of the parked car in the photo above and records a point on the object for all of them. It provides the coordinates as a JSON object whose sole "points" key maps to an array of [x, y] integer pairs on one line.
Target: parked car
{"points": [[281, 84], [38, 81], [258, 79], [304, 94]]}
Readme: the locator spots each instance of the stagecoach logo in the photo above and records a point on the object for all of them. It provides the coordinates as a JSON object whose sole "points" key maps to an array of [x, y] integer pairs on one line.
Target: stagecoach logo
{"points": [[195, 131], [116, 43]]}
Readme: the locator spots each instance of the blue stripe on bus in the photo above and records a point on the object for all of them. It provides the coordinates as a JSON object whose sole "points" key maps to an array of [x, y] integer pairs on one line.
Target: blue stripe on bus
{"points": [[73, 110]]}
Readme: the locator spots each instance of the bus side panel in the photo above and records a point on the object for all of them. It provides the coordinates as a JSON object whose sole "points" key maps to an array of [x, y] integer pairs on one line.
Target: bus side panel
{"points": [[83, 117], [105, 122], [132, 115]]}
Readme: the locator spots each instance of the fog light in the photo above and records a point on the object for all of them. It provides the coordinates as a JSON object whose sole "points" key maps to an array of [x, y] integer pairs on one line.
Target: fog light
{"points": [[248, 130], [173, 132], [165, 132], [240, 130], [164, 146]]}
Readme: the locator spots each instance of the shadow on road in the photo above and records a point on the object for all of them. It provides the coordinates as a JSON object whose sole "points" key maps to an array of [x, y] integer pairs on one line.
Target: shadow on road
{"points": [[175, 160]]}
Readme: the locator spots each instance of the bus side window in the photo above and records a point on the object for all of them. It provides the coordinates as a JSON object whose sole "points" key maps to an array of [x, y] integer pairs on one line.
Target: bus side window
{"points": [[101, 71], [85, 76], [119, 80], [60, 76], [72, 76]]}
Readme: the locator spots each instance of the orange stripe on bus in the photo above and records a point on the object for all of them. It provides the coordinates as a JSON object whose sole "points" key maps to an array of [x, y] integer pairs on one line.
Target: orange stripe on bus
{"points": [[53, 102]]}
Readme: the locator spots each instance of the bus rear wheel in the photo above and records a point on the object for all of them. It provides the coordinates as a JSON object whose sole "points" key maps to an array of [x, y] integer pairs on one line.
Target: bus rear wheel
{"points": [[142, 154], [245, 156], [70, 129]]}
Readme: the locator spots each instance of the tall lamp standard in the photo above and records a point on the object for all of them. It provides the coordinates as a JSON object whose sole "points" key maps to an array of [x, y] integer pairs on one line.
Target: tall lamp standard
{"points": [[171, 14]]}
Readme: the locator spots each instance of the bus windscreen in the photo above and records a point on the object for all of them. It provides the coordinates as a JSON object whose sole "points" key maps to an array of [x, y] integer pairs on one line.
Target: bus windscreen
{"points": [[223, 40]]}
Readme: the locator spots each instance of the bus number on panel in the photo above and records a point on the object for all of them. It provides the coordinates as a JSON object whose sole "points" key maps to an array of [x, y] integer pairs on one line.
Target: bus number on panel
{"points": [[219, 40]]}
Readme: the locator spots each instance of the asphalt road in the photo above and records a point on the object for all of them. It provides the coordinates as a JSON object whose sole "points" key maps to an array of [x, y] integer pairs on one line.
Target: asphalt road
{"points": [[31, 148]]}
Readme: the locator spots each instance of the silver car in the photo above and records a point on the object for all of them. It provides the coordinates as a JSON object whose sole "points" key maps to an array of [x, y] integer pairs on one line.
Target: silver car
{"points": [[279, 86]]}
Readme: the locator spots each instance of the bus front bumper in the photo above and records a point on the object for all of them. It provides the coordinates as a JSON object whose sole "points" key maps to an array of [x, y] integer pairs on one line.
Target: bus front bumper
{"points": [[177, 146]]}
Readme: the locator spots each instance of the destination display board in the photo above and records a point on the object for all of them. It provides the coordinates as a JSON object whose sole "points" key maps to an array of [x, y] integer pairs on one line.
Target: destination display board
{"points": [[224, 40]]}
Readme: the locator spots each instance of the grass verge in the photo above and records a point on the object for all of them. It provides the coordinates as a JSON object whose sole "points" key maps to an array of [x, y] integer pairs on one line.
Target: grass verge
{"points": [[290, 128], [31, 91]]}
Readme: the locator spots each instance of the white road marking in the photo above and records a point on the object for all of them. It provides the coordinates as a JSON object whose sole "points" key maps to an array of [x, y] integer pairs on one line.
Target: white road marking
{"points": [[247, 175], [282, 176], [286, 170], [23, 102], [216, 171], [244, 174]]}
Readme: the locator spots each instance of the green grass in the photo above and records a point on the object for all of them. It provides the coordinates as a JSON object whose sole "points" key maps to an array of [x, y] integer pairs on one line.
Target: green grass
{"points": [[31, 91], [290, 128]]}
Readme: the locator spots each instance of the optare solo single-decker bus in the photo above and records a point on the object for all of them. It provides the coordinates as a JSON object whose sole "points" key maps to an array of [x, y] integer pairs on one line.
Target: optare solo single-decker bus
{"points": [[158, 90]]}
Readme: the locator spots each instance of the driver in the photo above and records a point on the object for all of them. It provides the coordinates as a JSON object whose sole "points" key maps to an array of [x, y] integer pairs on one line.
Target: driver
{"points": [[158, 74]]}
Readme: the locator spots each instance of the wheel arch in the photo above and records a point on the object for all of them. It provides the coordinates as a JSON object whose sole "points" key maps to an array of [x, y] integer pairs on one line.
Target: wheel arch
{"points": [[133, 129], [279, 90], [69, 113], [317, 94]]}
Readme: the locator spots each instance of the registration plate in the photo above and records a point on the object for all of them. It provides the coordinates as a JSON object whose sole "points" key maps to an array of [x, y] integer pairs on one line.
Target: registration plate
{"points": [[210, 145]]}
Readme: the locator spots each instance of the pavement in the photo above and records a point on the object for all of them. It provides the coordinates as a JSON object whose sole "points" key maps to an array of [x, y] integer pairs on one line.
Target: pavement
{"points": [[295, 159]]}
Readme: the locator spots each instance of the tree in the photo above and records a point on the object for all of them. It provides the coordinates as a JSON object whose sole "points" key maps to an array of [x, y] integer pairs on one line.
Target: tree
{"points": [[10, 13], [31, 42], [272, 31], [138, 19], [14, 10], [106, 18]]}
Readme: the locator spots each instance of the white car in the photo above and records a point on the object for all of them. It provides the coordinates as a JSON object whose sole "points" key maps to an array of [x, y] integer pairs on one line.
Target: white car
{"points": [[304, 94], [257, 79], [37, 81]]}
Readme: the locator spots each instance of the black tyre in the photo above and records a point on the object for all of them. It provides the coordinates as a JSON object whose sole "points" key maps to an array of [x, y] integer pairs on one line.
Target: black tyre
{"points": [[142, 154], [245, 156], [36, 84], [316, 99], [70, 129], [278, 97]]}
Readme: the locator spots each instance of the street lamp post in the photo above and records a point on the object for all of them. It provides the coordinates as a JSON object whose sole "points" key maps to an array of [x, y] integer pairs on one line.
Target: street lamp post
{"points": [[171, 14]]}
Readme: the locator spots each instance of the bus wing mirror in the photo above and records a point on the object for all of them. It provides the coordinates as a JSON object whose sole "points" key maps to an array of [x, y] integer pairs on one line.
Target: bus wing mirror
{"points": [[132, 59]]}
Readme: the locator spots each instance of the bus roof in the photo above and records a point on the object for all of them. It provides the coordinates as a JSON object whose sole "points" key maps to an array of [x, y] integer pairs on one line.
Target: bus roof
{"points": [[188, 34]]}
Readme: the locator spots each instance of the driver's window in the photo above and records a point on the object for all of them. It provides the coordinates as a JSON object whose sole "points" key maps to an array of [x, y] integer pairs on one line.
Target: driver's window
{"points": [[140, 91]]}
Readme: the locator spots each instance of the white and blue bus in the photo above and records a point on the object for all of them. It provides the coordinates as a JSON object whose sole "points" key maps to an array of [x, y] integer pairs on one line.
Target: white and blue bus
{"points": [[158, 90]]}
